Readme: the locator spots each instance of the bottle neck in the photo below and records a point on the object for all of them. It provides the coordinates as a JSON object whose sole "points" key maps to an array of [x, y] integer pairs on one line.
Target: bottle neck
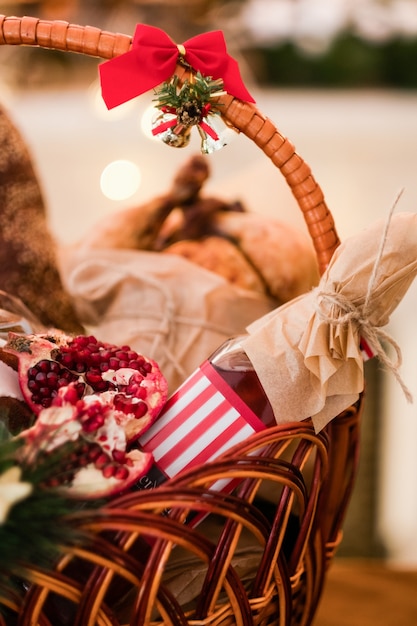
{"points": [[230, 356], [233, 366]]}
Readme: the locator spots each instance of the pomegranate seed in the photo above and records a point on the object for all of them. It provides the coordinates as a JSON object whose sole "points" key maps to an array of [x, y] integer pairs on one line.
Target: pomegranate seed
{"points": [[99, 421], [93, 378], [94, 452], [89, 426], [119, 456], [135, 363], [80, 388], [139, 409], [65, 359], [120, 402], [95, 359], [114, 363], [52, 378], [72, 395], [101, 460], [121, 473], [40, 377], [135, 389], [109, 470]]}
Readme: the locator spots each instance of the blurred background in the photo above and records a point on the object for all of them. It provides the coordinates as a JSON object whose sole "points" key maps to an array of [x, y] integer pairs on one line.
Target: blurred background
{"points": [[339, 78]]}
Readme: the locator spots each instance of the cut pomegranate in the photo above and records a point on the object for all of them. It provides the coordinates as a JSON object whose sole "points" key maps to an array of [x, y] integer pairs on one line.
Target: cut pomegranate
{"points": [[58, 369], [96, 464], [98, 396]]}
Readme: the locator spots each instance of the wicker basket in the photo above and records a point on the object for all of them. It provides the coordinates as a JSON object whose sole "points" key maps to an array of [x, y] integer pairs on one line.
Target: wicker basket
{"points": [[250, 561]]}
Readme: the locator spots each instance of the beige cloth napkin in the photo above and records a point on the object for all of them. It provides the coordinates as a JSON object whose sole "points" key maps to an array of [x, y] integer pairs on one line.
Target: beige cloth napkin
{"points": [[161, 305], [307, 352]]}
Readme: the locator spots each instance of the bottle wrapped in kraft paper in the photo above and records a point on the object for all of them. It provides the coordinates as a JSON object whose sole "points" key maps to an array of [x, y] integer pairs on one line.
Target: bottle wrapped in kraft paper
{"points": [[307, 353]]}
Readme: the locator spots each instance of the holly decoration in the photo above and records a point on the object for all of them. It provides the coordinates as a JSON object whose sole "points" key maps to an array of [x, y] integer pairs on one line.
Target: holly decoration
{"points": [[184, 106]]}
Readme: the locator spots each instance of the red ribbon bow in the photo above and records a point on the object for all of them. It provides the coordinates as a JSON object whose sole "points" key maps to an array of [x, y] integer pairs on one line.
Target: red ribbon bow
{"points": [[153, 58]]}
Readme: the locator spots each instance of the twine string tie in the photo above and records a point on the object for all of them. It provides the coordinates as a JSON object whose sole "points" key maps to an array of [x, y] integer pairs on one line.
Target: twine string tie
{"points": [[360, 315]]}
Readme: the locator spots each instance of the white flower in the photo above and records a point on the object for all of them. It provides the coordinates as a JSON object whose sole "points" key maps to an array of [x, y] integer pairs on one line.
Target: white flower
{"points": [[12, 490]]}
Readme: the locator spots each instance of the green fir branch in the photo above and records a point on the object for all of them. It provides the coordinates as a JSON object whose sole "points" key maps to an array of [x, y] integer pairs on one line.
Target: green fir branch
{"points": [[37, 528], [199, 89]]}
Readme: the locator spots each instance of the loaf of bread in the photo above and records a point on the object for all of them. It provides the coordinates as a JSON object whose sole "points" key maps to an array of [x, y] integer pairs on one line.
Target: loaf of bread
{"points": [[250, 250]]}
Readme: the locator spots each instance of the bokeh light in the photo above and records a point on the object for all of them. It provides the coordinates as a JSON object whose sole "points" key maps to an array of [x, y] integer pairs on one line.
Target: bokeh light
{"points": [[120, 180]]}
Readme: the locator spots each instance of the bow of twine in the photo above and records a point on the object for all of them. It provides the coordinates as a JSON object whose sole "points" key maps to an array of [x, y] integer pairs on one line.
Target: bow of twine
{"points": [[360, 316]]}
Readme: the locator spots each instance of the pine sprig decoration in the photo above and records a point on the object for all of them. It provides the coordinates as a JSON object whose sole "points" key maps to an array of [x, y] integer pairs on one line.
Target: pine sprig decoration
{"points": [[34, 529], [8, 449], [199, 88], [35, 533]]}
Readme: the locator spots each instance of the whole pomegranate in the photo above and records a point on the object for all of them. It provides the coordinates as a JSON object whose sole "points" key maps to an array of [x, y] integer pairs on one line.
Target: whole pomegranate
{"points": [[101, 396]]}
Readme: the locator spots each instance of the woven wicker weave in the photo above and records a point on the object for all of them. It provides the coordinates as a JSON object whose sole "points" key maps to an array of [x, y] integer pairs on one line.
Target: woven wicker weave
{"points": [[252, 561]]}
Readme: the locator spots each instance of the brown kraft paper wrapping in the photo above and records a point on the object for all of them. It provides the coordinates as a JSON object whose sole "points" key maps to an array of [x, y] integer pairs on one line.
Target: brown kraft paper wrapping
{"points": [[307, 353], [162, 305]]}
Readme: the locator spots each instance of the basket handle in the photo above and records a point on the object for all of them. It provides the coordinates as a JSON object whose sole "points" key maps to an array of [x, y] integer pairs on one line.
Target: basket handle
{"points": [[245, 117]]}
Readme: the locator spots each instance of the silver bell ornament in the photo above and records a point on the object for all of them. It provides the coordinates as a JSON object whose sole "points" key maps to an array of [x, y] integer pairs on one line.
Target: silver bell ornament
{"points": [[213, 131], [215, 134], [165, 127]]}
